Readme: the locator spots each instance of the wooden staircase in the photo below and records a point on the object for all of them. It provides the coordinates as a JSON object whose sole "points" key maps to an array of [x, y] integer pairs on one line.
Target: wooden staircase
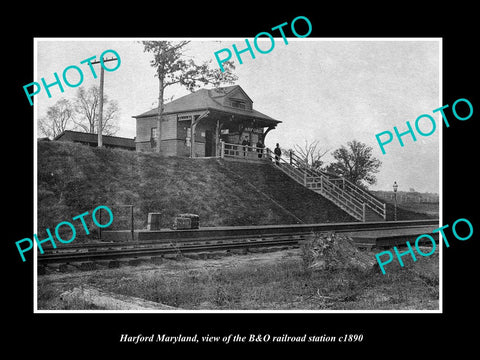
{"points": [[343, 193]]}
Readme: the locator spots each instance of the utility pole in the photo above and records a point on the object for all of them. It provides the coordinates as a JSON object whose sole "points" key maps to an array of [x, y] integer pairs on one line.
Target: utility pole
{"points": [[100, 110]]}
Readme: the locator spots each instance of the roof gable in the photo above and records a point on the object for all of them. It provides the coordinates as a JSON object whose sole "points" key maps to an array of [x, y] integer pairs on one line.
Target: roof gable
{"points": [[213, 99], [234, 91]]}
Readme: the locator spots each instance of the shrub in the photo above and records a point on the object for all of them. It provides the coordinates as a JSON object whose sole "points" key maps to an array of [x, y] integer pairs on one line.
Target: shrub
{"points": [[328, 251]]}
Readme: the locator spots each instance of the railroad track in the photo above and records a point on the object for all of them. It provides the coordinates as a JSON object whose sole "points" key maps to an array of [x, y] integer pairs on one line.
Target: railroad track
{"points": [[91, 253], [112, 251]]}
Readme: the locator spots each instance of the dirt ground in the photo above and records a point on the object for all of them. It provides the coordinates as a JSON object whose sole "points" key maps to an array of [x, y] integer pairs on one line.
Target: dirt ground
{"points": [[250, 282]]}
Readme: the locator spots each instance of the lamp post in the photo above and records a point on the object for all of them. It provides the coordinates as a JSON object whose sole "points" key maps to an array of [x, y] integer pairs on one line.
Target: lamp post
{"points": [[395, 187]]}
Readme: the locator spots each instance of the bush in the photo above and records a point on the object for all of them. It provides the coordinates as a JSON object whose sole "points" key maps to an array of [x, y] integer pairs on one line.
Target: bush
{"points": [[328, 251]]}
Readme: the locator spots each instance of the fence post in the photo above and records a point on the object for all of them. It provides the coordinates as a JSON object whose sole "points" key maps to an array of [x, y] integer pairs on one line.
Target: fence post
{"points": [[99, 228], [364, 212], [305, 178], [321, 183], [132, 225], [222, 150]]}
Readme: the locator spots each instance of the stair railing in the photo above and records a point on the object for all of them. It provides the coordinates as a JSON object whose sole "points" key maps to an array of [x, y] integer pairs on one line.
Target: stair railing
{"points": [[373, 203], [341, 191], [318, 183]]}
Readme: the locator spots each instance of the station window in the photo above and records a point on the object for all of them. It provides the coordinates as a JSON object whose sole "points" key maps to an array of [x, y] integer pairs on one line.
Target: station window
{"points": [[153, 138], [239, 104], [153, 133]]}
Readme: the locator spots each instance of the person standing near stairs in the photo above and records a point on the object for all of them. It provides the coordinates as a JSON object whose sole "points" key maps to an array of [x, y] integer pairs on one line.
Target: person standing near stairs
{"points": [[277, 153]]}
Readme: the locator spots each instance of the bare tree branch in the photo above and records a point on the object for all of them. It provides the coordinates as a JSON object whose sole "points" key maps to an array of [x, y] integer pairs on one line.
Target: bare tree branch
{"points": [[57, 119], [86, 105], [311, 153]]}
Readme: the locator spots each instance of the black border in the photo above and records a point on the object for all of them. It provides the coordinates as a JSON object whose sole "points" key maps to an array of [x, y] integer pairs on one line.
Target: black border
{"points": [[82, 333]]}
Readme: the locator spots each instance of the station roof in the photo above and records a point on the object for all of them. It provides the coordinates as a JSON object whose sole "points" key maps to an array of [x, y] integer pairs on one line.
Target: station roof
{"points": [[209, 99]]}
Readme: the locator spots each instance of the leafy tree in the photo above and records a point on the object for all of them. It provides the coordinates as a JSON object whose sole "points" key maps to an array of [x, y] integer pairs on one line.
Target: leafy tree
{"points": [[356, 163], [57, 119], [172, 68], [87, 105]]}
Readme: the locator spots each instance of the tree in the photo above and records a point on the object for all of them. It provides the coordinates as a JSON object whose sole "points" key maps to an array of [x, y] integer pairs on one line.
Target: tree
{"points": [[356, 163], [57, 119], [86, 106], [311, 154], [171, 68]]}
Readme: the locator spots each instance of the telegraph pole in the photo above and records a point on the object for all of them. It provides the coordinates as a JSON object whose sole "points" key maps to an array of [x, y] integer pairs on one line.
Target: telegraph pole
{"points": [[100, 110]]}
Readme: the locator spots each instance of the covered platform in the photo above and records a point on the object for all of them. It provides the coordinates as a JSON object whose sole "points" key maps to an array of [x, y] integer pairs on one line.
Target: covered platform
{"points": [[194, 125]]}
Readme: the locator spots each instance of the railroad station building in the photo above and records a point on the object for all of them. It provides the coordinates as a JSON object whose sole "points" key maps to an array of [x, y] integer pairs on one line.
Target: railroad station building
{"points": [[194, 125]]}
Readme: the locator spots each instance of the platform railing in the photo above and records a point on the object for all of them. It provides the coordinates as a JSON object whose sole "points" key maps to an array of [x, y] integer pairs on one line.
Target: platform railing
{"points": [[242, 151], [341, 191]]}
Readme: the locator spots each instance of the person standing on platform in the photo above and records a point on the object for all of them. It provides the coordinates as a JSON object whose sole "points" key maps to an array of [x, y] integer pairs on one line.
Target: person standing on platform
{"points": [[245, 144], [278, 153], [260, 147]]}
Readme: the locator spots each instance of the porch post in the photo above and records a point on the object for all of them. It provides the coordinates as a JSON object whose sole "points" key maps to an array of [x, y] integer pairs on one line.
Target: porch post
{"points": [[192, 139], [217, 130], [192, 135]]}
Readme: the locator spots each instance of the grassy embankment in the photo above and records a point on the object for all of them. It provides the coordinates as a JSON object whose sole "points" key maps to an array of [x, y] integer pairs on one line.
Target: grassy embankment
{"points": [[73, 178]]}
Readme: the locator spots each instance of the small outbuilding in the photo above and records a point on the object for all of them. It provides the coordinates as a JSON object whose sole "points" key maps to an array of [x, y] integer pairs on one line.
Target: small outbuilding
{"points": [[92, 139]]}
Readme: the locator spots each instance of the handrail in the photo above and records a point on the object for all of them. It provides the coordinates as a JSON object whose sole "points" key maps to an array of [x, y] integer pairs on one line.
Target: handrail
{"points": [[375, 204], [349, 187], [326, 186], [328, 189], [359, 190], [340, 190]]}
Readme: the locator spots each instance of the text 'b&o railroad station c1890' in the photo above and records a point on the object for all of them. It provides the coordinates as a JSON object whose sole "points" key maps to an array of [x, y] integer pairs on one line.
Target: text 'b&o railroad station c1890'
{"points": [[194, 125]]}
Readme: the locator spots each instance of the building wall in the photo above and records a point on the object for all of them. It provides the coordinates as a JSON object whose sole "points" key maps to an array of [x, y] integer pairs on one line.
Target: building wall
{"points": [[176, 132], [169, 127], [145, 125], [143, 146], [168, 134], [174, 147]]}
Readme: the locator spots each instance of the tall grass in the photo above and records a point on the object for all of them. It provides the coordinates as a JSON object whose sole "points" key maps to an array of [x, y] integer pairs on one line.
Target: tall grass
{"points": [[74, 178], [286, 285]]}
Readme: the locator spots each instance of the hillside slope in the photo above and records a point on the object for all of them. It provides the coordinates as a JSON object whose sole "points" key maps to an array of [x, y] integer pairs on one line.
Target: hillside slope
{"points": [[74, 178], [305, 204]]}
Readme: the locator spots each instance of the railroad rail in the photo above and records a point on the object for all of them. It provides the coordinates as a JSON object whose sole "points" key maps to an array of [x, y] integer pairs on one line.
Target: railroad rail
{"points": [[240, 238]]}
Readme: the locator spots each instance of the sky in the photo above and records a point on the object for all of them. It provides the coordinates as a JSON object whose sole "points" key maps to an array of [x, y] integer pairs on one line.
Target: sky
{"points": [[330, 90]]}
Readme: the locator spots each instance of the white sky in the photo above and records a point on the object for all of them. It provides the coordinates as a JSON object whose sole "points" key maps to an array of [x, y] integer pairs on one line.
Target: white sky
{"points": [[331, 90]]}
